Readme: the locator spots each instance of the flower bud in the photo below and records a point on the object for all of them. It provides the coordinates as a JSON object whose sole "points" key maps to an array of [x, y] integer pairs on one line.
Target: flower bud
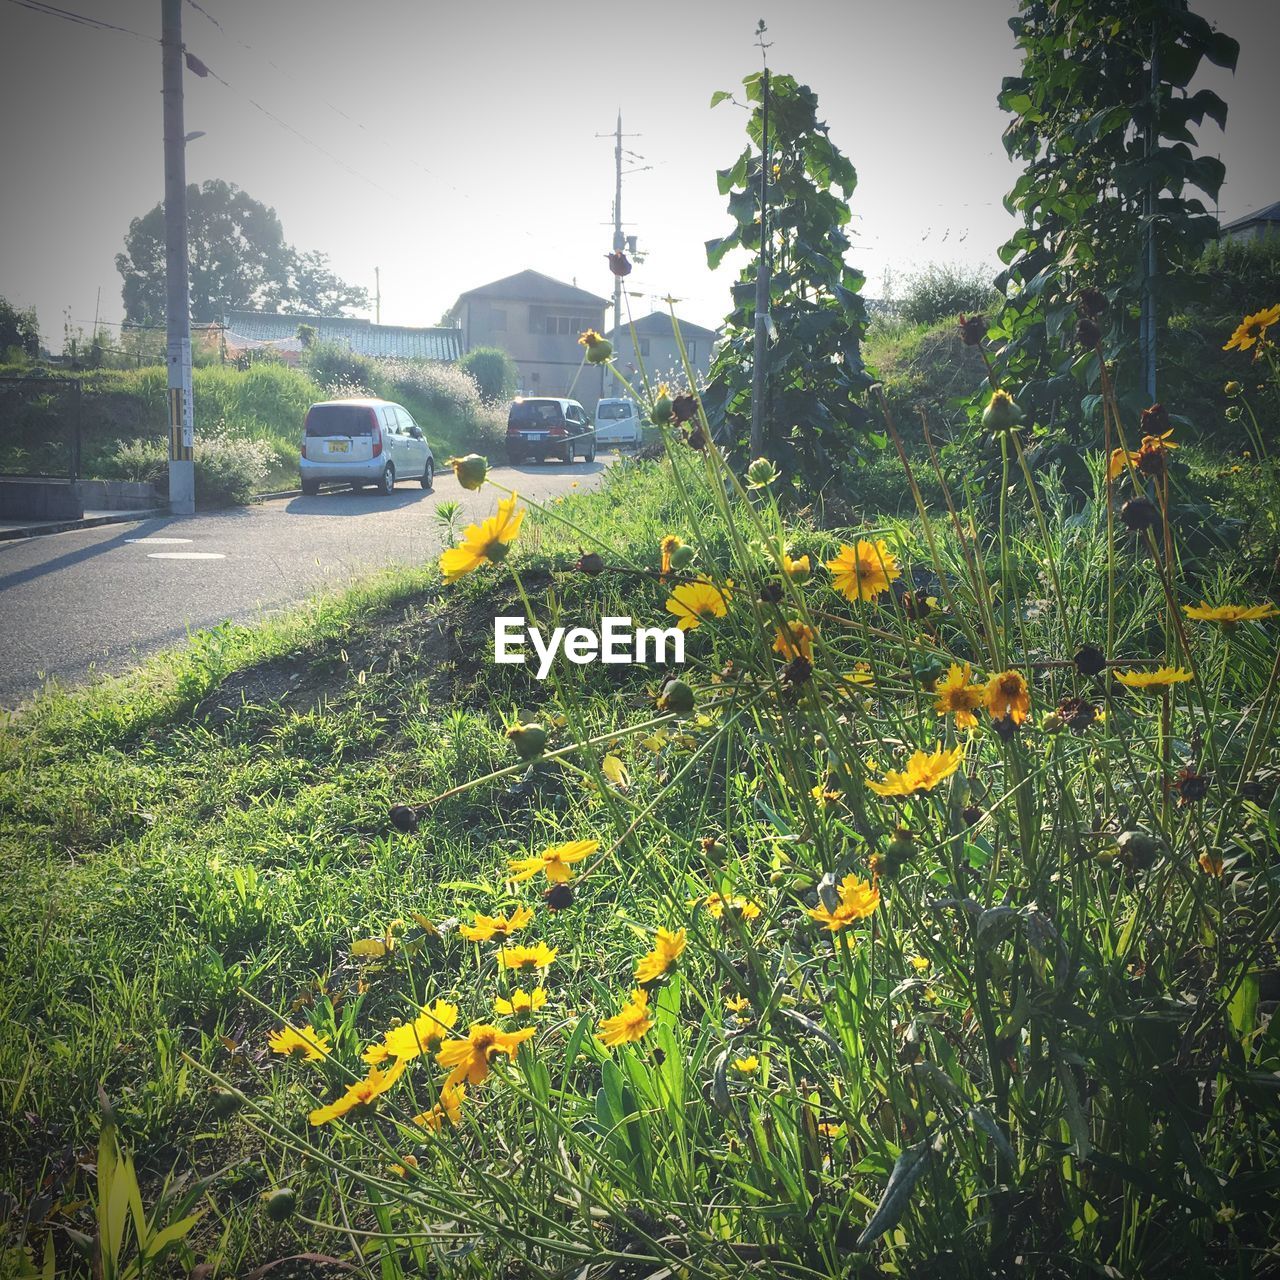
{"points": [[529, 740], [663, 409], [591, 563], [683, 556], [1234, 413], [676, 697], [281, 1203], [1002, 413], [471, 470], [1233, 388], [1089, 660], [1138, 849], [761, 474], [599, 349], [226, 1102]]}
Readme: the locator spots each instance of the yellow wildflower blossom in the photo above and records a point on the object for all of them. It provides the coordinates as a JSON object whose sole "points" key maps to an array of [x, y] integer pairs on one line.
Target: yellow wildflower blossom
{"points": [[923, 772], [480, 542]]}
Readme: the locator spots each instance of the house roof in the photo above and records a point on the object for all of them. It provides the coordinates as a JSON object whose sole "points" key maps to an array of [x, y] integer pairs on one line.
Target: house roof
{"points": [[657, 324], [1270, 214], [392, 341], [533, 286]]}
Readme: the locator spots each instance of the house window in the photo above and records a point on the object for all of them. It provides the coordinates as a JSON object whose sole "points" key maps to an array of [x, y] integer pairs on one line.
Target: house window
{"points": [[692, 348], [644, 346]]}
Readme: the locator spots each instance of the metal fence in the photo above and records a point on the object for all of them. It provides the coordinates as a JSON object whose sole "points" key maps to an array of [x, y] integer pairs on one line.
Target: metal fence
{"points": [[41, 427]]}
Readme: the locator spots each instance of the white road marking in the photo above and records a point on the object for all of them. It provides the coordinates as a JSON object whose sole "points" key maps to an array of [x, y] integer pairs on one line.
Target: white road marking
{"points": [[186, 555], [156, 542]]}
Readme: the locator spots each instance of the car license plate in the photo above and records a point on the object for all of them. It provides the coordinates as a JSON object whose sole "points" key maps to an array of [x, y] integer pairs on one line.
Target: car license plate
{"points": [[338, 446], [536, 435]]}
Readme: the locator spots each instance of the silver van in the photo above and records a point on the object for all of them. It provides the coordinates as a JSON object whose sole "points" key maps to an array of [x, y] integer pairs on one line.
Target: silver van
{"points": [[618, 421], [363, 441]]}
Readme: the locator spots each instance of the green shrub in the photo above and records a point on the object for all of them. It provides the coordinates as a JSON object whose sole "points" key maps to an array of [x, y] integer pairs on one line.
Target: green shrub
{"points": [[493, 371], [944, 290], [228, 469], [327, 363]]}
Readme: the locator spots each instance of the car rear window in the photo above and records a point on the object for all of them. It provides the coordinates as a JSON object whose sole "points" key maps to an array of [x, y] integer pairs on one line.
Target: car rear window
{"points": [[339, 420], [611, 410], [535, 413]]}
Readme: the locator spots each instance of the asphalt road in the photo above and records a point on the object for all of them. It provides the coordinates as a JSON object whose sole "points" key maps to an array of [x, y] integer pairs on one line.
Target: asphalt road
{"points": [[96, 600]]}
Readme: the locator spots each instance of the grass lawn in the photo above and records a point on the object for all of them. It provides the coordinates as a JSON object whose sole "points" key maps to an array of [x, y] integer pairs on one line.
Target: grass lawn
{"points": [[1050, 1021]]}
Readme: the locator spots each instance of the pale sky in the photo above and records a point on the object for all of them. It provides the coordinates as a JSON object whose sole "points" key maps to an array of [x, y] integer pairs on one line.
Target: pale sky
{"points": [[452, 144]]}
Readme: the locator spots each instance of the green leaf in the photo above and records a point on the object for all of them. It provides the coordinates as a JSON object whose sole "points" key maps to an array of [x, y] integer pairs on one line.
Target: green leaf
{"points": [[720, 96], [908, 1168]]}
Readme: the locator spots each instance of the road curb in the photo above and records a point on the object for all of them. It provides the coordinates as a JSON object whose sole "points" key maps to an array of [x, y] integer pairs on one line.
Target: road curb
{"points": [[90, 522]]}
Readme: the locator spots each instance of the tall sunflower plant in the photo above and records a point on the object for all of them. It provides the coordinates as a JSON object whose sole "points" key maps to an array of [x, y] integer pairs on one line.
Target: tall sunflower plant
{"points": [[921, 922]]}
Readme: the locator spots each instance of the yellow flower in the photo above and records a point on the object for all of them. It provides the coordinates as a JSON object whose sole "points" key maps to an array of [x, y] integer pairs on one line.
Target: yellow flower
{"points": [[1211, 863], [826, 796], [469, 1059], [486, 928], [480, 542], [538, 956], [521, 1002], [1253, 328], [923, 773], [412, 1039], [1161, 678], [918, 963], [747, 1066], [410, 1161], [864, 571], [736, 1004], [858, 899], [797, 570], [632, 1022], [1230, 615], [307, 1045], [363, 1093], [598, 349], [719, 903], [693, 602], [452, 1096], [667, 947], [554, 861], [957, 696], [794, 640], [1007, 696], [830, 1130]]}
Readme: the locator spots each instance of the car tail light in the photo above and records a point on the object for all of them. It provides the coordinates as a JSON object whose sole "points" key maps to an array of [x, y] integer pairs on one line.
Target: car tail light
{"points": [[557, 432], [513, 431], [377, 434]]}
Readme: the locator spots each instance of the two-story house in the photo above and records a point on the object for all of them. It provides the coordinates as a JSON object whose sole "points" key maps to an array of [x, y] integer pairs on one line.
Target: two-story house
{"points": [[658, 350], [536, 320]]}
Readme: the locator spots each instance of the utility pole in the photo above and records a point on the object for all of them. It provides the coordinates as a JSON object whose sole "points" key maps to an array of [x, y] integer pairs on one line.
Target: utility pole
{"points": [[618, 242], [1147, 343], [759, 359], [182, 480], [377, 295]]}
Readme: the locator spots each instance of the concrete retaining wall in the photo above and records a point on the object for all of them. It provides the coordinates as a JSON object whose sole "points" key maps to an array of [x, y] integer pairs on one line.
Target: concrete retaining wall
{"points": [[118, 495], [39, 500]]}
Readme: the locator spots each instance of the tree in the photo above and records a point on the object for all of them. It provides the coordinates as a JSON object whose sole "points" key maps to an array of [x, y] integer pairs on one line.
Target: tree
{"points": [[814, 422], [18, 329], [1102, 119], [239, 259]]}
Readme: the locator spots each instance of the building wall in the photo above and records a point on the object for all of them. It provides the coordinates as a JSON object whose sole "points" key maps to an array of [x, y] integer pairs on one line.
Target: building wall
{"points": [[542, 339], [661, 357], [1254, 231]]}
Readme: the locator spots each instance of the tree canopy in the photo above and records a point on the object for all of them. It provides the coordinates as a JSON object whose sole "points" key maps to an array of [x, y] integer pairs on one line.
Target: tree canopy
{"points": [[239, 260]]}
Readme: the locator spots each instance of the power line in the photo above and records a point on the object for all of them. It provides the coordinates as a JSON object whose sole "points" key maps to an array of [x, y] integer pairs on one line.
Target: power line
{"points": [[81, 19]]}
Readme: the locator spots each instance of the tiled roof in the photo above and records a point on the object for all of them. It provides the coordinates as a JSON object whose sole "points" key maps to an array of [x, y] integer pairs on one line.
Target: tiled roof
{"points": [[1270, 214], [657, 324], [392, 341], [533, 286]]}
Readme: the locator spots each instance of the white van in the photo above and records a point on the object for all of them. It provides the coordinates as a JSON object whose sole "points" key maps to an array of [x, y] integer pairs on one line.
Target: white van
{"points": [[618, 421]]}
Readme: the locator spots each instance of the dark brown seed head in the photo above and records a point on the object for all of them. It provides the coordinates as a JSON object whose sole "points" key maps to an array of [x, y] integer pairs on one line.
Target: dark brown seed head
{"points": [[1138, 514], [972, 815], [619, 263], [684, 408], [1191, 786], [972, 330], [559, 897], [403, 818], [1088, 335], [1077, 713], [1006, 727], [771, 593], [591, 563], [1091, 303], [1155, 421], [797, 671], [1090, 660]]}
